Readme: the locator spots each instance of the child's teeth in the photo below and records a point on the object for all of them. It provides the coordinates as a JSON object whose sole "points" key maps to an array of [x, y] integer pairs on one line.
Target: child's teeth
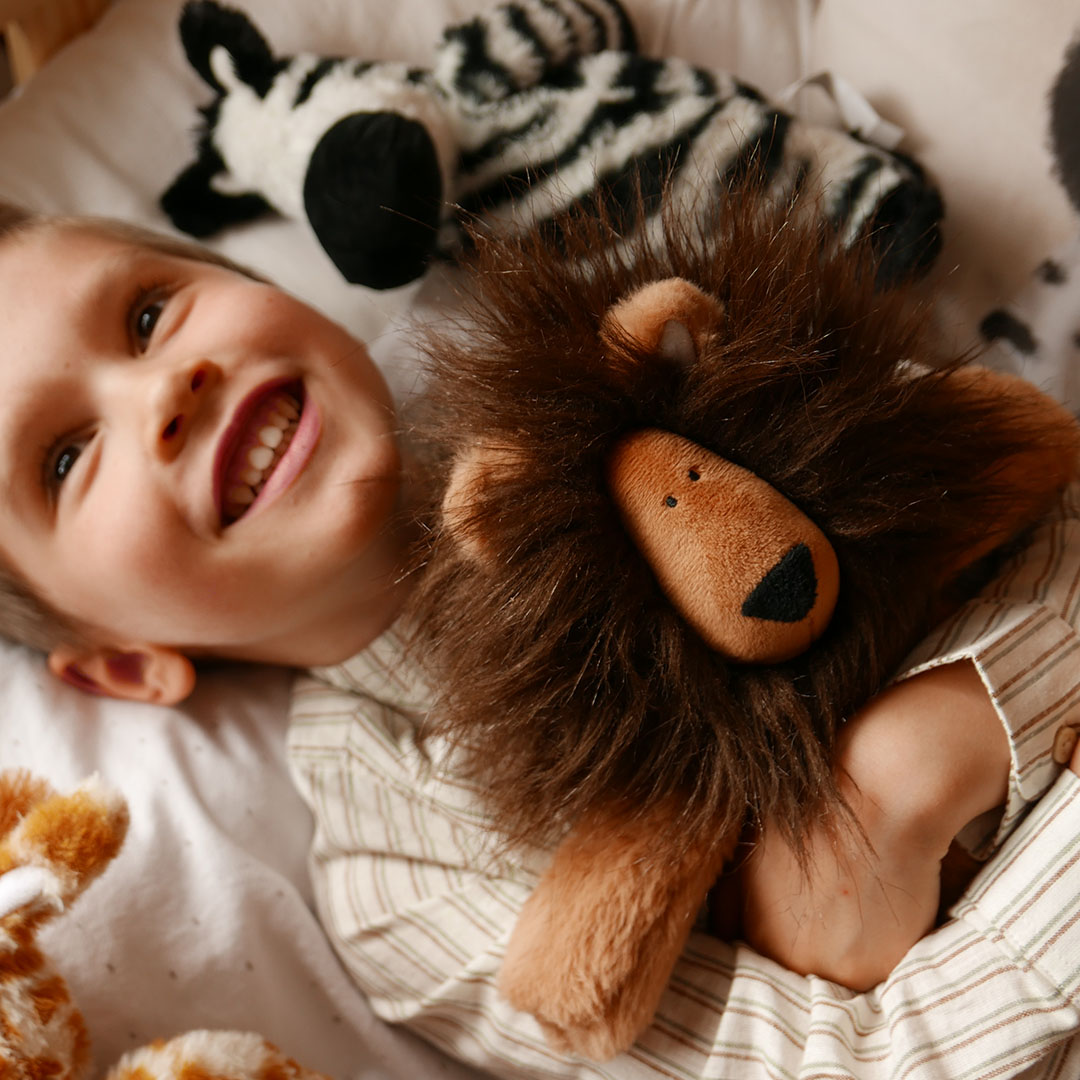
{"points": [[271, 436], [260, 457], [278, 428]]}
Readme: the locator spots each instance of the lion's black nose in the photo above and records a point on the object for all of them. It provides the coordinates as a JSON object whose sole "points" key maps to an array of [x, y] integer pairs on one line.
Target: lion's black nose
{"points": [[787, 592]]}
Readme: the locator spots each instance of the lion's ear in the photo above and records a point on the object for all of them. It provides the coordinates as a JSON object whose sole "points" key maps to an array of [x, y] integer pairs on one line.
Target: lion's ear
{"points": [[474, 469], [670, 319]]}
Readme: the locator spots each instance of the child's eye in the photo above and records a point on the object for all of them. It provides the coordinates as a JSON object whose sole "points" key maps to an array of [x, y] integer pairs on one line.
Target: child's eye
{"points": [[146, 319], [144, 313], [65, 461], [61, 461]]}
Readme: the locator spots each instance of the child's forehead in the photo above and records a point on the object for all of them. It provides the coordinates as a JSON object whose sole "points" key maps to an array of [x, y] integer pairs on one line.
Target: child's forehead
{"points": [[66, 272], [59, 289], [76, 243], [59, 252], [91, 241], [58, 276]]}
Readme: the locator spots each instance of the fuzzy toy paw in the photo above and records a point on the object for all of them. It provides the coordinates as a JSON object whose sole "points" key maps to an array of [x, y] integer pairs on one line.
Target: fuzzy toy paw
{"points": [[595, 944], [210, 1055]]}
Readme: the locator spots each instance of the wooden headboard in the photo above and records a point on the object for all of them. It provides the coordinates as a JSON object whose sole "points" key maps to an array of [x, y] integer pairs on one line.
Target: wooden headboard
{"points": [[35, 29]]}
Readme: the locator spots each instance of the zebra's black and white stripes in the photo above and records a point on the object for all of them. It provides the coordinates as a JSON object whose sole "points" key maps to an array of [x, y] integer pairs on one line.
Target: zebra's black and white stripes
{"points": [[530, 108], [519, 44], [616, 124]]}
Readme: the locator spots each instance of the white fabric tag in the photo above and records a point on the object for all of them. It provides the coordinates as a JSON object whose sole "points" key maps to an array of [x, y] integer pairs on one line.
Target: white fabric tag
{"points": [[843, 106]]}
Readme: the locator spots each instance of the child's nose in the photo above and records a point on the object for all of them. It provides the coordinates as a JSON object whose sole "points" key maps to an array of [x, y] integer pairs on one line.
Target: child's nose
{"points": [[180, 395]]}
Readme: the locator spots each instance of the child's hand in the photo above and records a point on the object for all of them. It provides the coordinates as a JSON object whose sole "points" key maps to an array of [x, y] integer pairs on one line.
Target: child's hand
{"points": [[918, 763], [857, 913]]}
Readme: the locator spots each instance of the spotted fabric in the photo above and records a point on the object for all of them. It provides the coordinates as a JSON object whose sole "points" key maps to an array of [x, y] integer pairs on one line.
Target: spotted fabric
{"points": [[1037, 334], [420, 907]]}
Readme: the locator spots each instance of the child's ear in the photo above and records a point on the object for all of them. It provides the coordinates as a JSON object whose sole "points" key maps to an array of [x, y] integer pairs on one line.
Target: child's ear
{"points": [[152, 673]]}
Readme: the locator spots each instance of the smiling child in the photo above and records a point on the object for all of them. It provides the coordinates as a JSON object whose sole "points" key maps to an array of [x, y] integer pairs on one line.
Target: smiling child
{"points": [[199, 465], [147, 507]]}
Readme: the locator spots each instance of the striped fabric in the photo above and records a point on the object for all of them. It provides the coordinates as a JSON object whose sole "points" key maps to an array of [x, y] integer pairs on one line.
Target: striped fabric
{"points": [[420, 906], [554, 106]]}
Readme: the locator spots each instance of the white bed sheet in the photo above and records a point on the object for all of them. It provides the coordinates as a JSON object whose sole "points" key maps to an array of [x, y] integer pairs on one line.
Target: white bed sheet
{"points": [[205, 919]]}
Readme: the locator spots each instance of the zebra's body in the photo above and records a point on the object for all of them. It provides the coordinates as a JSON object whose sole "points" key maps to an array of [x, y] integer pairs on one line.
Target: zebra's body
{"points": [[529, 109]]}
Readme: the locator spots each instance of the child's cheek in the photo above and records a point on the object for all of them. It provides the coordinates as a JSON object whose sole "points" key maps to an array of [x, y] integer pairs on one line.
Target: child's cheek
{"points": [[135, 545]]}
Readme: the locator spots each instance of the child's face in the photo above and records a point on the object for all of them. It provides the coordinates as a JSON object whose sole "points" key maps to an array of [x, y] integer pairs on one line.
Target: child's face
{"points": [[138, 388]]}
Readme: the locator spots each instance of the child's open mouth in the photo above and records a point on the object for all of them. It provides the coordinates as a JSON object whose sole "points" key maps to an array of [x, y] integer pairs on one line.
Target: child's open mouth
{"points": [[258, 439]]}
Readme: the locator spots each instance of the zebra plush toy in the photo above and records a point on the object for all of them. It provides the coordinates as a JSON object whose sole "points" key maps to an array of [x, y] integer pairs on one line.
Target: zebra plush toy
{"points": [[530, 108]]}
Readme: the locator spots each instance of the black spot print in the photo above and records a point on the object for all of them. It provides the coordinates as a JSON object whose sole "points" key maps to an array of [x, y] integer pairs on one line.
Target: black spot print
{"points": [[1002, 324], [1053, 273]]}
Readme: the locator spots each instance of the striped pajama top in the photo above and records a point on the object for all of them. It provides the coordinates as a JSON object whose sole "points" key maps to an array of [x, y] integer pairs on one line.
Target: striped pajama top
{"points": [[420, 908]]}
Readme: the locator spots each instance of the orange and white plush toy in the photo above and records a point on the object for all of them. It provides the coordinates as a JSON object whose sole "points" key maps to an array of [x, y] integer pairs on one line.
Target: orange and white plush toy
{"points": [[52, 847]]}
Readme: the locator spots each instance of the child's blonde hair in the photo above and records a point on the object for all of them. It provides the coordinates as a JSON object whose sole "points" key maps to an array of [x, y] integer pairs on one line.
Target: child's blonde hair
{"points": [[24, 616]]}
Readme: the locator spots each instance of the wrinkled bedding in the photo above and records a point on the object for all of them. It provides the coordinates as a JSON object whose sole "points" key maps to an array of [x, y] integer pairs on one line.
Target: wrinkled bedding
{"points": [[205, 919]]}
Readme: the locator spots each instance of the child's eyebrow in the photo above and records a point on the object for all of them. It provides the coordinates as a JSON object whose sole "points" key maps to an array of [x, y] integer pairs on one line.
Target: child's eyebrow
{"points": [[95, 296]]}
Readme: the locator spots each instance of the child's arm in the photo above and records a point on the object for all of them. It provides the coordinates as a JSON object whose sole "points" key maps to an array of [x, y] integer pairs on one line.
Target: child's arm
{"points": [[421, 915], [923, 759]]}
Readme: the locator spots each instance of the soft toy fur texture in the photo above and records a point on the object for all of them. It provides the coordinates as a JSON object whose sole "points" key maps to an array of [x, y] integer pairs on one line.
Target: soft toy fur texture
{"points": [[52, 847], [1065, 123], [565, 676]]}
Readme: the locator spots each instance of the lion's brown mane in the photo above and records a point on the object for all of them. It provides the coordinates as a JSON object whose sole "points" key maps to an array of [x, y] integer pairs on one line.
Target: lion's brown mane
{"points": [[561, 670]]}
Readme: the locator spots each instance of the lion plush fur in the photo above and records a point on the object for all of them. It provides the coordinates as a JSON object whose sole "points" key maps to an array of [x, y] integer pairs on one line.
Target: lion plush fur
{"points": [[582, 704], [562, 671]]}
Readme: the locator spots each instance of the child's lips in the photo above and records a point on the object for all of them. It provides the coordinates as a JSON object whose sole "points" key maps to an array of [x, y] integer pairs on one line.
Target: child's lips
{"points": [[266, 445]]}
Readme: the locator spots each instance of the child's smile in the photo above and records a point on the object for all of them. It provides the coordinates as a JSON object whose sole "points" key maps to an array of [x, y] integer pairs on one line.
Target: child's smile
{"points": [[194, 458], [261, 449]]}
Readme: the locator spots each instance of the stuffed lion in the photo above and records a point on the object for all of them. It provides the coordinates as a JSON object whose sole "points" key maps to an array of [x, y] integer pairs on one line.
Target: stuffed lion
{"points": [[702, 492]]}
